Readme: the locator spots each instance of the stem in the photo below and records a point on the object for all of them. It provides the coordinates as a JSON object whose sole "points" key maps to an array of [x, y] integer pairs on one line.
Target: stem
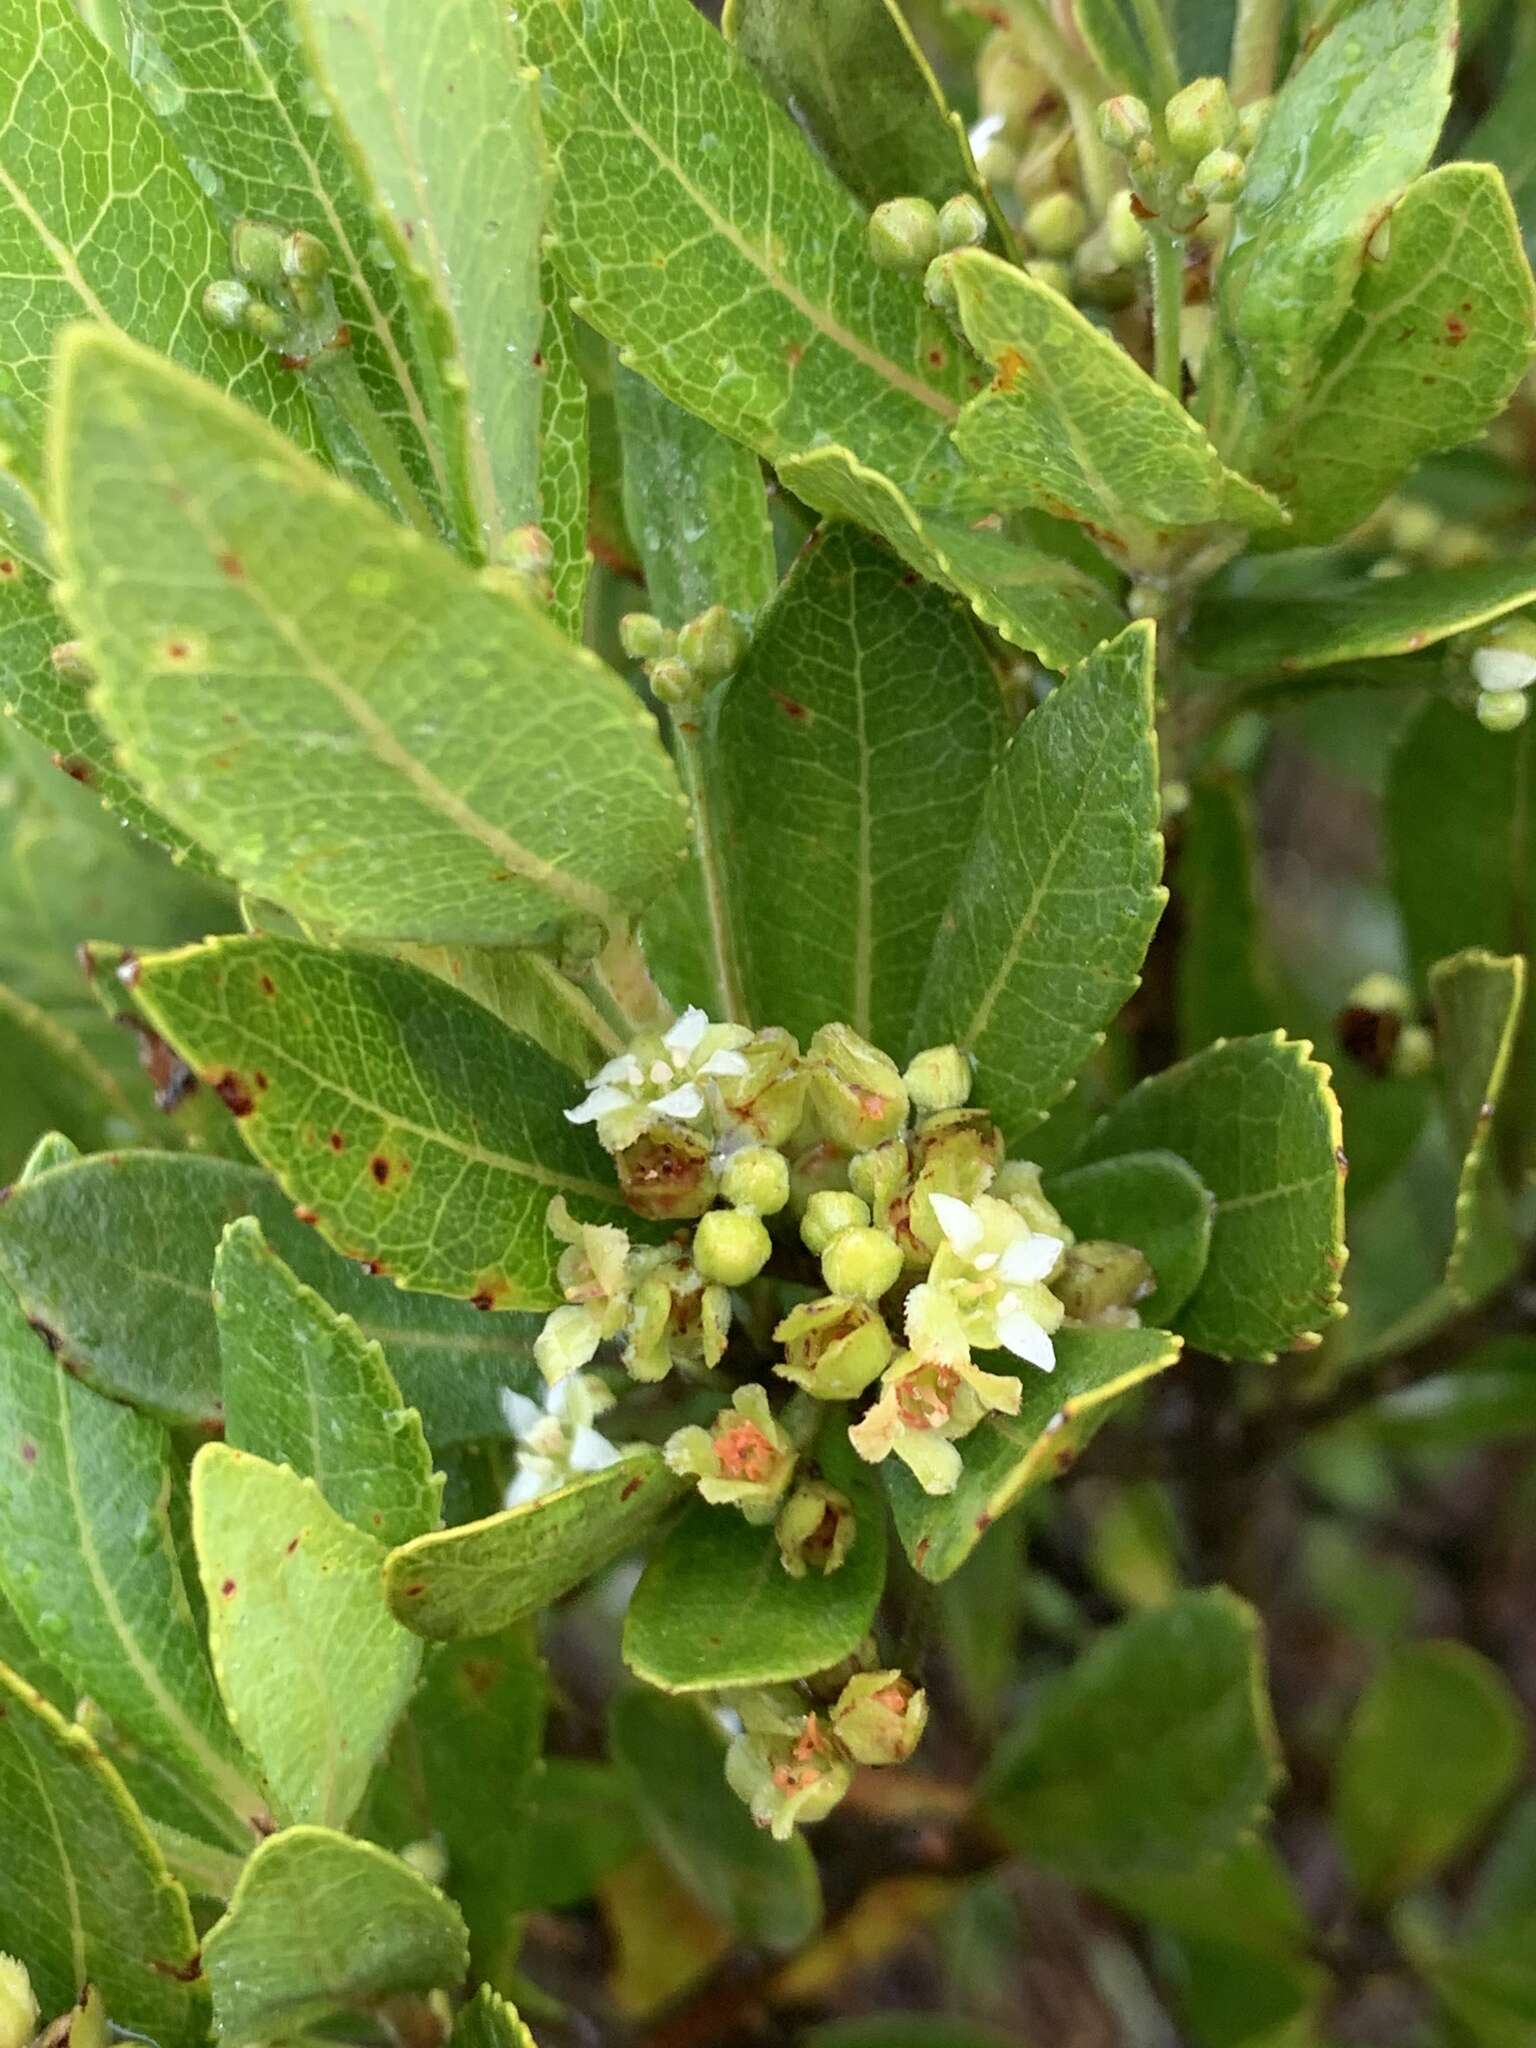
{"points": [[1255, 48], [688, 749], [335, 379], [620, 974], [1165, 258], [1154, 33]]}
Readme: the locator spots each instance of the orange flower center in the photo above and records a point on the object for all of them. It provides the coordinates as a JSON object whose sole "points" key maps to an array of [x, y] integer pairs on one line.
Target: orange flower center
{"points": [[744, 1452]]}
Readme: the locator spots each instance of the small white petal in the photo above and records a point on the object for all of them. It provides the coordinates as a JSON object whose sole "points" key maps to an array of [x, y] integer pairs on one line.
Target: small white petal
{"points": [[599, 1103], [1023, 1336], [725, 1061], [959, 1223], [521, 1413], [622, 1067], [662, 1071], [531, 1478], [985, 1261], [683, 1037], [1030, 1258], [1502, 668], [591, 1452], [684, 1103]]}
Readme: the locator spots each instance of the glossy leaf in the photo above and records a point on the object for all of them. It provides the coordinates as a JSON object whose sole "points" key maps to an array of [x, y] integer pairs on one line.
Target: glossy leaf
{"points": [[474, 1580], [1258, 1122], [303, 1387], [671, 1755], [1055, 905], [1151, 1200], [1073, 425], [88, 1562], [1478, 999], [530, 994], [848, 756], [313, 1670], [716, 1608], [432, 1182], [438, 115], [1224, 988], [1435, 1746], [68, 1821], [1007, 1456], [136, 1319], [404, 768], [319, 1921], [563, 457], [1155, 1750]]}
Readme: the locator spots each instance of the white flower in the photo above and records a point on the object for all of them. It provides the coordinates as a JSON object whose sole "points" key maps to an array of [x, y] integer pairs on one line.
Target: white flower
{"points": [[556, 1442], [661, 1077], [986, 1285], [1503, 668]]}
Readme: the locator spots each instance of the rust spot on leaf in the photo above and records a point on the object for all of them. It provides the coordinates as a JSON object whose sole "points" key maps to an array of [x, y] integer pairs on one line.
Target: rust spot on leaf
{"points": [[630, 1487], [413, 1592], [232, 1092], [268, 986], [8, 568], [791, 707], [378, 1166], [231, 565], [1455, 331], [925, 1544], [485, 1299], [291, 1546], [28, 1453], [1011, 366], [76, 769], [305, 1215], [184, 1973], [336, 1141], [227, 1588]]}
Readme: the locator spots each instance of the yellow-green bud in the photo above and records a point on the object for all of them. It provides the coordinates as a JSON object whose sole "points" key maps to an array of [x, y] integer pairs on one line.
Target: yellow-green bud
{"points": [[1252, 120], [828, 1212], [962, 222], [1018, 1184], [861, 1264], [1200, 118], [226, 303], [938, 1078], [1502, 710], [1219, 176], [18, 2006], [815, 1529], [879, 1717], [428, 1859], [1010, 85], [879, 1175], [1123, 232], [712, 644], [768, 1100], [1098, 1280], [1381, 991], [1053, 275], [1057, 223], [834, 1348], [644, 638], [731, 1246], [939, 286], [855, 1089], [1123, 122], [304, 257], [674, 682], [256, 250], [904, 234], [1414, 1052], [756, 1178], [527, 550]]}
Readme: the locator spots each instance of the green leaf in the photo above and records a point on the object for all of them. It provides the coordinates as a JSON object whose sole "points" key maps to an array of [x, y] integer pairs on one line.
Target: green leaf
{"points": [[1490, 1397], [1073, 424], [440, 123], [88, 1561], [1352, 125], [85, 1896], [563, 458], [1007, 1456], [1435, 1746], [1478, 999], [1505, 137], [112, 228], [1117, 46], [1223, 984], [716, 1608], [671, 1755], [488, 2021], [1154, 1201], [136, 1318], [391, 776], [1282, 637], [1436, 340], [703, 236], [474, 1580], [1056, 903], [55, 1079], [319, 1921], [303, 1387], [1257, 1120], [433, 1181], [313, 1669], [528, 992], [582, 1827], [1155, 1750], [848, 757]]}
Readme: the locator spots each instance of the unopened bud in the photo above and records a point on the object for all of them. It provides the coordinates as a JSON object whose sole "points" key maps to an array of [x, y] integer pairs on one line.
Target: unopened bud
{"points": [[834, 1348], [861, 1264], [1123, 122], [1098, 1281], [428, 1859], [756, 1178], [1057, 223], [962, 222], [939, 286], [674, 682], [712, 644], [644, 638], [1414, 1052], [856, 1090], [1018, 1184], [768, 1100], [904, 234], [1383, 992], [879, 1175], [879, 1717], [18, 2006], [815, 1529], [268, 324], [1252, 120], [938, 1078], [828, 1212], [1200, 118], [1219, 176], [305, 257], [731, 1246], [528, 551], [1053, 275], [1502, 710], [1123, 232], [256, 250], [225, 304]]}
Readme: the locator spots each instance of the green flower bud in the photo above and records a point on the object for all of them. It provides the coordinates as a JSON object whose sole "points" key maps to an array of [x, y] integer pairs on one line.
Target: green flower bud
{"points": [[904, 234], [268, 324], [1414, 1052], [304, 257], [1252, 120], [713, 644], [1502, 710], [862, 1263], [225, 304], [1200, 118], [829, 1212], [962, 222], [674, 682], [428, 1859], [938, 1078], [756, 1178], [645, 638], [1056, 224], [731, 1246], [856, 1091], [956, 1153], [256, 250], [1018, 1184], [768, 1100], [1123, 122], [939, 286], [1219, 176], [1381, 991], [527, 550], [815, 1529], [879, 1717], [1100, 1281], [18, 2007], [1053, 275], [743, 1460], [834, 1348], [667, 1174], [879, 1176], [1010, 86], [1123, 232]]}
